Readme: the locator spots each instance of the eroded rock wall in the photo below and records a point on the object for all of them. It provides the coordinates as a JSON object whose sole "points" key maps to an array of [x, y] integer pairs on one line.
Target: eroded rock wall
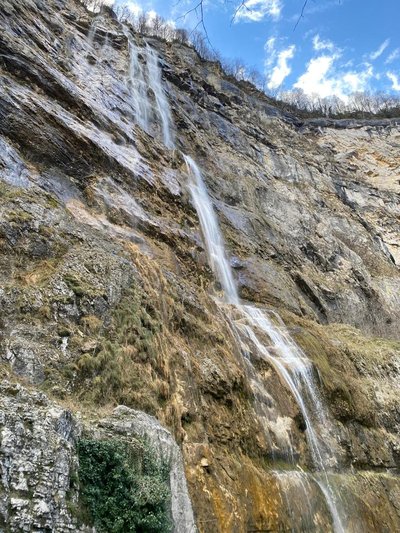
{"points": [[106, 293]]}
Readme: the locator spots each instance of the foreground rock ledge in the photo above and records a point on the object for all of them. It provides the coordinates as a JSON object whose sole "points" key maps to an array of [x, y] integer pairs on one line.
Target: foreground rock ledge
{"points": [[38, 458]]}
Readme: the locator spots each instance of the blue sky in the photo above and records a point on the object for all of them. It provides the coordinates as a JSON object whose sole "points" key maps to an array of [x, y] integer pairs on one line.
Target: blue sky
{"points": [[338, 47]]}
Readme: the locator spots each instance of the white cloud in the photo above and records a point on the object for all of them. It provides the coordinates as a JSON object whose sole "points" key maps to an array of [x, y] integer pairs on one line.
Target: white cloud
{"points": [[323, 79], [393, 56], [134, 7], [314, 80], [380, 50], [281, 70], [270, 49], [256, 10], [270, 45], [395, 80], [319, 44], [355, 82]]}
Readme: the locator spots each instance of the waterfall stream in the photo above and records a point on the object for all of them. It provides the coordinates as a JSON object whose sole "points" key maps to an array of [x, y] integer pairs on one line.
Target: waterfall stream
{"points": [[155, 82], [149, 99], [255, 329], [284, 356], [138, 87], [212, 236]]}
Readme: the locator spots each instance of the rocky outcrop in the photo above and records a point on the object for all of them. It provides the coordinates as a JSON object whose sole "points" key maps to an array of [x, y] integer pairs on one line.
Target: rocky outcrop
{"points": [[126, 422], [107, 297], [39, 461]]}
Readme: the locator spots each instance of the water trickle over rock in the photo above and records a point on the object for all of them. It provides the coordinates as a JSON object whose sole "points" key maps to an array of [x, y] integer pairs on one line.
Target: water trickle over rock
{"points": [[110, 283]]}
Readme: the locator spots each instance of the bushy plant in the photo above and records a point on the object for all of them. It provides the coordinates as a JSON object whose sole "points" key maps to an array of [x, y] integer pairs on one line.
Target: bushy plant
{"points": [[124, 487]]}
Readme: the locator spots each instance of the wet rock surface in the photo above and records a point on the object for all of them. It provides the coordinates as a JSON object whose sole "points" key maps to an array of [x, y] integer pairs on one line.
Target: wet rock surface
{"points": [[107, 297]]}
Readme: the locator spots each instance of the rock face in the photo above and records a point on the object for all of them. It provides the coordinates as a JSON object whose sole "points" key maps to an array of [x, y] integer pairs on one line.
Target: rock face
{"points": [[125, 422], [37, 459], [107, 296]]}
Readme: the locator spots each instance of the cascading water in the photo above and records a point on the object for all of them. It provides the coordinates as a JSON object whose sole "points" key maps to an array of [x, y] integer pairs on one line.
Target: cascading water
{"points": [[285, 357], [138, 86], [212, 235], [148, 95], [155, 82], [92, 31], [252, 325]]}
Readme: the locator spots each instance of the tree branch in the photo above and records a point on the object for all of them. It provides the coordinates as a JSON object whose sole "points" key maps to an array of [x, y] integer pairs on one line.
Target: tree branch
{"points": [[198, 8], [301, 14]]}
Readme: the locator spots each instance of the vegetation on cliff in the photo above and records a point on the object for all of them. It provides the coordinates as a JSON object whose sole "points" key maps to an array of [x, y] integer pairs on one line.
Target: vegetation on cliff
{"points": [[124, 487], [108, 298]]}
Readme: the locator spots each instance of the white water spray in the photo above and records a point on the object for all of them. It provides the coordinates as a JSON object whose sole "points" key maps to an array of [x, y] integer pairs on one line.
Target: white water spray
{"points": [[212, 235], [138, 86], [92, 31]]}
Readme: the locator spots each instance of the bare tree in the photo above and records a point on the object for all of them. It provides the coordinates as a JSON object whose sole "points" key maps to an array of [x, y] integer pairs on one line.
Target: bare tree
{"points": [[200, 43], [123, 12], [142, 23], [255, 77], [157, 25], [181, 36]]}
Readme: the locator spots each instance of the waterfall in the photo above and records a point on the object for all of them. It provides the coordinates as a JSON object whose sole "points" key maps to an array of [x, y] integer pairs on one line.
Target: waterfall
{"points": [[92, 31], [212, 235], [155, 82], [250, 325], [282, 354], [149, 98], [138, 86]]}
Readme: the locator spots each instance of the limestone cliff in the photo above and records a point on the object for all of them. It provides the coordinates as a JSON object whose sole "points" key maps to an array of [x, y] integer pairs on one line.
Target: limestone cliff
{"points": [[107, 295]]}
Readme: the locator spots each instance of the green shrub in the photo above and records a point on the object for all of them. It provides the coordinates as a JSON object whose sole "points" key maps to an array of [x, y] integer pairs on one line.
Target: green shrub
{"points": [[124, 487]]}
